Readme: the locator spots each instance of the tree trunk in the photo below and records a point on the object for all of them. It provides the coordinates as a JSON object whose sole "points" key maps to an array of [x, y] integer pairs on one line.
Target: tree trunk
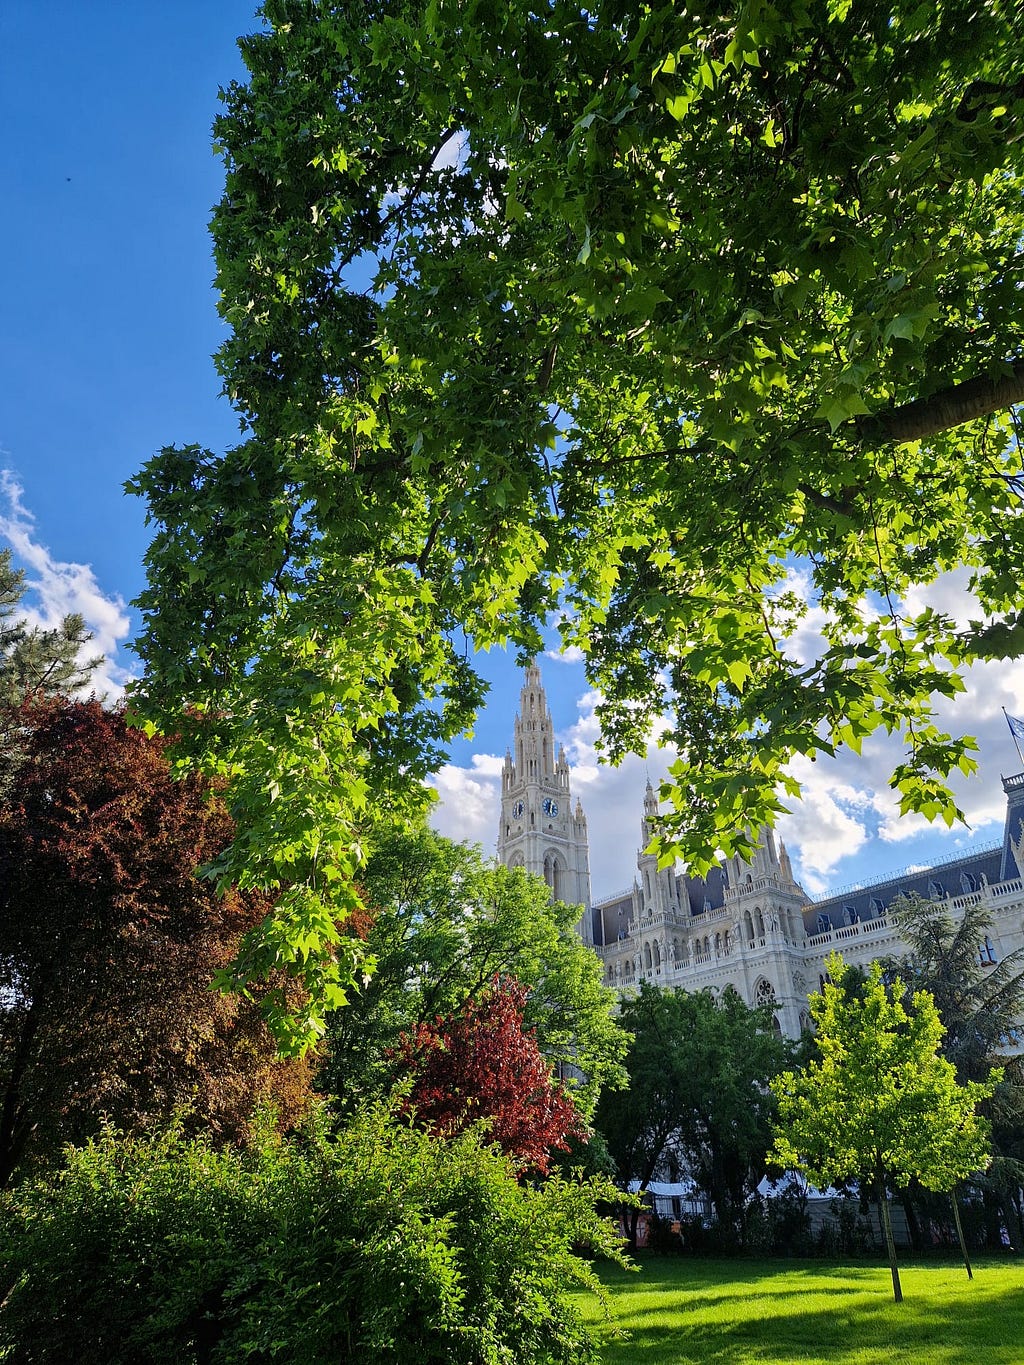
{"points": [[960, 1233], [993, 1241], [890, 1242], [913, 1222], [1009, 1207], [14, 1125]]}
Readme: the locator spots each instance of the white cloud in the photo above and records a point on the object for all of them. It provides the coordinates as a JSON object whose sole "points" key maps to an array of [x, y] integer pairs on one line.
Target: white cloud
{"points": [[453, 152], [572, 654], [469, 801], [57, 588]]}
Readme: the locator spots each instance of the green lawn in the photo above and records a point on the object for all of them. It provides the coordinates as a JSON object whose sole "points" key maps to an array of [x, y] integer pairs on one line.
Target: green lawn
{"points": [[680, 1310]]}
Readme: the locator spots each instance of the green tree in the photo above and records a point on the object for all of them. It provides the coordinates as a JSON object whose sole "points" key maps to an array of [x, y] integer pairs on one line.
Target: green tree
{"points": [[981, 1005], [699, 1068], [34, 661], [444, 925], [878, 1104], [668, 321]]}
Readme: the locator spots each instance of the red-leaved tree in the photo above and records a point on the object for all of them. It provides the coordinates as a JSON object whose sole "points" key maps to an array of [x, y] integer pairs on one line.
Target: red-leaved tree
{"points": [[109, 942], [483, 1064]]}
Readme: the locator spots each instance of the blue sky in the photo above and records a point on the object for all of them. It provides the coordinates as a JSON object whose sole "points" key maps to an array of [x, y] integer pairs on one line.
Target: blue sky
{"points": [[107, 326]]}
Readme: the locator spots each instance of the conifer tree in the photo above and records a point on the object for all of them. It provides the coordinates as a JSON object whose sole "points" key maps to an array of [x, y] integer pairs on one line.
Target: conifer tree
{"points": [[34, 661]]}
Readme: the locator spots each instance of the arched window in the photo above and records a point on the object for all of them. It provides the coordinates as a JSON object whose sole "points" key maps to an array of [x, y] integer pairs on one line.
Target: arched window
{"points": [[554, 875], [748, 925], [764, 993], [648, 961]]}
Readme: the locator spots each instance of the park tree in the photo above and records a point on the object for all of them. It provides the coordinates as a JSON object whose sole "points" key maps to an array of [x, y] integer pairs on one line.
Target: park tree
{"points": [[699, 1067], [34, 661], [668, 322], [878, 1104], [981, 1005], [444, 923], [484, 1064], [109, 943]]}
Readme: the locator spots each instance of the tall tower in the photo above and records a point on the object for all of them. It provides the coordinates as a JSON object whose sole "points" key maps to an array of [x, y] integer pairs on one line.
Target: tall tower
{"points": [[540, 830], [659, 888]]}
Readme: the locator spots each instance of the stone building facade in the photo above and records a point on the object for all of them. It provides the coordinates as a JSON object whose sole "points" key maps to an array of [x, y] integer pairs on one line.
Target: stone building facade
{"points": [[749, 925]]}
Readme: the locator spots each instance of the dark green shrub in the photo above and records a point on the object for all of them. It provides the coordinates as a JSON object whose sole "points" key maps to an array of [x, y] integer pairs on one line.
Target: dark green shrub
{"points": [[847, 1232], [661, 1239], [379, 1244]]}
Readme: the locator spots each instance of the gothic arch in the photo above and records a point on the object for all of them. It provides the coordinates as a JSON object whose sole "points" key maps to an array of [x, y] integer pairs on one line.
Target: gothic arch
{"points": [[764, 993], [555, 874]]}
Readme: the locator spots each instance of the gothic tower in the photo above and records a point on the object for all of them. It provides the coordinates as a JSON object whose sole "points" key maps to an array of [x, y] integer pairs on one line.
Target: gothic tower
{"points": [[540, 830]]}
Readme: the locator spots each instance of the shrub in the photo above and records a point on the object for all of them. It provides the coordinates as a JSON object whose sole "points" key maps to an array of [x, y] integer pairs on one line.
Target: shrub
{"points": [[379, 1244]]}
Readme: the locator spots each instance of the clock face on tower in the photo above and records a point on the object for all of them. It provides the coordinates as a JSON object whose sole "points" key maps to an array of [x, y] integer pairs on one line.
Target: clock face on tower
{"points": [[517, 811], [550, 807]]}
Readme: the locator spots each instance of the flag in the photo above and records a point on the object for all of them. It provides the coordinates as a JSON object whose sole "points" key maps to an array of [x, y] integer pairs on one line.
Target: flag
{"points": [[1016, 726]]}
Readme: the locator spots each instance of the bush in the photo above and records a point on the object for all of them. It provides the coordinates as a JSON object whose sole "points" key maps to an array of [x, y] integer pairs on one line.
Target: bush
{"points": [[663, 1236], [847, 1232], [779, 1225], [380, 1244]]}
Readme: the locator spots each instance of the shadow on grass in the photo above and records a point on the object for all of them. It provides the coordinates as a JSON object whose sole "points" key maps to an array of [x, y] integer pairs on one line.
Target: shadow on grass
{"points": [[732, 1313]]}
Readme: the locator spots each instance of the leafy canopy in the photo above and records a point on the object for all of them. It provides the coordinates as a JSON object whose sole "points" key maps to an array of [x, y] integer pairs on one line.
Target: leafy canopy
{"points": [[699, 1068], [878, 1101], [668, 320], [445, 923], [483, 1064], [34, 661], [108, 942]]}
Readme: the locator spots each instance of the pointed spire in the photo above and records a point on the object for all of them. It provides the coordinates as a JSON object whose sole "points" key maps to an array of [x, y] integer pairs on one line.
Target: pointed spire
{"points": [[785, 866]]}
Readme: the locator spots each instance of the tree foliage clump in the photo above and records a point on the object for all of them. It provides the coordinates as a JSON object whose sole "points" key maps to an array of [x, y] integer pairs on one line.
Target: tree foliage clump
{"points": [[34, 661], [483, 1065], [376, 1245], [699, 1068], [979, 1001], [981, 1005], [443, 924], [668, 321], [877, 1104], [109, 943]]}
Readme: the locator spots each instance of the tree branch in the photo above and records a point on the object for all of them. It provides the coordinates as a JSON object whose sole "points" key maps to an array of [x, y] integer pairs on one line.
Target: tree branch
{"points": [[948, 408]]}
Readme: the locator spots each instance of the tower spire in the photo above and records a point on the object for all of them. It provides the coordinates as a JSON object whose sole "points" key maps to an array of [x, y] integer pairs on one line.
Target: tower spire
{"points": [[542, 829]]}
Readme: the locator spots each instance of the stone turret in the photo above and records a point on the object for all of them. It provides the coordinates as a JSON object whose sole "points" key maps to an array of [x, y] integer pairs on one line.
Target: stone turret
{"points": [[540, 829]]}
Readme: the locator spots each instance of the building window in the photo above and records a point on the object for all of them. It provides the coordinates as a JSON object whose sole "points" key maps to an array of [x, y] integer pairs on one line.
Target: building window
{"points": [[764, 993]]}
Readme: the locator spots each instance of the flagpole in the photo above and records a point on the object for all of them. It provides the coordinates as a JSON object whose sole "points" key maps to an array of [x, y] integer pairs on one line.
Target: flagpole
{"points": [[1013, 735]]}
